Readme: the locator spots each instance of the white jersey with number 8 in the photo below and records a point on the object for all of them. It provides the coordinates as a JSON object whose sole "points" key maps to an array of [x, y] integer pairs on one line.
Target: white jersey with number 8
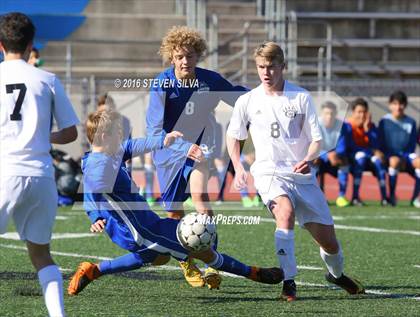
{"points": [[282, 127], [29, 100]]}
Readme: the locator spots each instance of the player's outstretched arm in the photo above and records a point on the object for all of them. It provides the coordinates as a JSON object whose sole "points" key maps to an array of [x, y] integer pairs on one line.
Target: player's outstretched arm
{"points": [[64, 136]]}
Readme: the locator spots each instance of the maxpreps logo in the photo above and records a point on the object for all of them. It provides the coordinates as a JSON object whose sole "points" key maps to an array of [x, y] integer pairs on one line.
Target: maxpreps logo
{"points": [[230, 220]]}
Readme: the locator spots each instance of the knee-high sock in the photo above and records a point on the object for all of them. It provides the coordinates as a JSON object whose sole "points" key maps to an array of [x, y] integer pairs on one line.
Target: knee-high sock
{"points": [[393, 176], [51, 282], [127, 262], [334, 262], [221, 172], [226, 263], [343, 175], [380, 173], [149, 175], [244, 192], [416, 190], [285, 250], [359, 167]]}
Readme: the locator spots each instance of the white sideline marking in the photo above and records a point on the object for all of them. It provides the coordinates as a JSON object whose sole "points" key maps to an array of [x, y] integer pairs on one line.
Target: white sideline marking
{"points": [[61, 217], [378, 230], [367, 229], [55, 236], [73, 255], [373, 291], [175, 268], [417, 266]]}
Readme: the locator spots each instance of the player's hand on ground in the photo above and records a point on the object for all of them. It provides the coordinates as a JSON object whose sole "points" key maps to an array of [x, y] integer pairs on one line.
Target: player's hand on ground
{"points": [[98, 226], [195, 153], [302, 167], [241, 177], [171, 137]]}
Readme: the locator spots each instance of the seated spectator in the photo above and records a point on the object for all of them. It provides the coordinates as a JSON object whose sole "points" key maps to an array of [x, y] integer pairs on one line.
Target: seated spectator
{"points": [[333, 158], [361, 138], [397, 136]]}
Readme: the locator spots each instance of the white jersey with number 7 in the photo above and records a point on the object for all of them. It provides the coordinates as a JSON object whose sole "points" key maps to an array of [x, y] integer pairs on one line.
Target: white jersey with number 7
{"points": [[281, 126], [29, 100]]}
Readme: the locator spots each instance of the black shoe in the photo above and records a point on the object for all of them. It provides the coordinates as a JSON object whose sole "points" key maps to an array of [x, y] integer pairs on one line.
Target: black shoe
{"points": [[273, 275], [357, 202], [289, 291], [352, 286]]}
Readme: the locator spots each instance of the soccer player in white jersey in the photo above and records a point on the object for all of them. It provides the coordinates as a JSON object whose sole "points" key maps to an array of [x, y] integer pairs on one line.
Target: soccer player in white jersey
{"points": [[29, 99], [285, 130]]}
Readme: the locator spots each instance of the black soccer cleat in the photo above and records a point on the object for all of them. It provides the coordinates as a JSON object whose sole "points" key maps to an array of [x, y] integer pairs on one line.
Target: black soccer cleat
{"points": [[273, 275], [351, 286], [289, 291]]}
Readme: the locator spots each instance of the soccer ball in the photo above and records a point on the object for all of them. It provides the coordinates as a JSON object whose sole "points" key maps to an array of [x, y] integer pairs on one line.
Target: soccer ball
{"points": [[196, 232]]}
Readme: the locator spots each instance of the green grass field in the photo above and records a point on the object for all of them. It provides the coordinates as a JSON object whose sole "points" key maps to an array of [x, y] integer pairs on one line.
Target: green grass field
{"points": [[381, 248]]}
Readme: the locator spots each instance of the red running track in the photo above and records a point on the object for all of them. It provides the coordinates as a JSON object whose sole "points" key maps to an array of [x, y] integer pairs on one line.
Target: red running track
{"points": [[369, 189]]}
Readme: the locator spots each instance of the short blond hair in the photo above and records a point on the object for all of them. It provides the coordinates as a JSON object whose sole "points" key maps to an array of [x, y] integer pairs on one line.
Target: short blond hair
{"points": [[101, 121], [271, 51], [182, 37]]}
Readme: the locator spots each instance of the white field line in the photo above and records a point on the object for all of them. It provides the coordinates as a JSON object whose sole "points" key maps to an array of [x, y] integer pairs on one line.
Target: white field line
{"points": [[417, 266], [175, 268], [372, 291], [55, 236], [72, 255], [367, 229]]}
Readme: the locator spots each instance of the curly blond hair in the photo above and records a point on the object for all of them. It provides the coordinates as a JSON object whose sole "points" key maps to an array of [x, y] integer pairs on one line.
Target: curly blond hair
{"points": [[182, 37]]}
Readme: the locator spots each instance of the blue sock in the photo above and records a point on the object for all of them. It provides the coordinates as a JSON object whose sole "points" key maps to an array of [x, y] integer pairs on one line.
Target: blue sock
{"points": [[244, 192], [149, 175], [393, 175], [357, 174], [221, 177], [380, 172], [225, 263], [127, 262], [342, 175], [416, 191]]}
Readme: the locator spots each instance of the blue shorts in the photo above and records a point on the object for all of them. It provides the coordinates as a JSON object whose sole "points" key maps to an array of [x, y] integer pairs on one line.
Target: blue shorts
{"points": [[145, 233], [176, 193], [326, 167]]}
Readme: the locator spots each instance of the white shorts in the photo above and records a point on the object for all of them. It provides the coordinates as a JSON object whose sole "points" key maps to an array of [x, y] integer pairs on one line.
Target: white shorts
{"points": [[32, 202], [308, 200]]}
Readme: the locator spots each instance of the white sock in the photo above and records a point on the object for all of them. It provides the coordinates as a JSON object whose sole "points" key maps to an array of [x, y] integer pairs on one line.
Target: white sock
{"points": [[417, 172], [285, 250], [334, 262], [52, 287], [392, 171]]}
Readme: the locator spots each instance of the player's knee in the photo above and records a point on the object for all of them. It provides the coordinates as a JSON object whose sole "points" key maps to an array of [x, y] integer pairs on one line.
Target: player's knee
{"points": [[394, 162], [283, 215], [161, 260], [416, 162]]}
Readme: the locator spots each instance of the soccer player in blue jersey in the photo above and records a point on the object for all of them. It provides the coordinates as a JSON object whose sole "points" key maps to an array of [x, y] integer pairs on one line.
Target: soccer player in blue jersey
{"points": [[112, 206], [333, 159], [183, 100], [361, 137], [397, 136]]}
